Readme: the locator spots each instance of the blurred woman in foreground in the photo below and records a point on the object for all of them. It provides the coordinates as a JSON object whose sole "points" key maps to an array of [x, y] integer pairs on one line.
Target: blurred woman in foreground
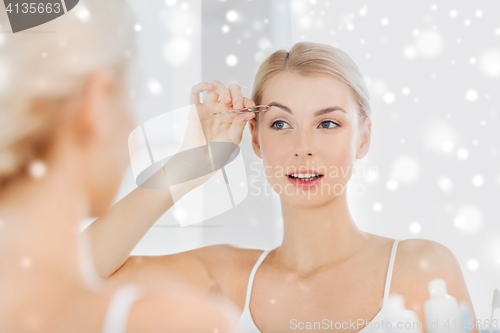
{"points": [[64, 123]]}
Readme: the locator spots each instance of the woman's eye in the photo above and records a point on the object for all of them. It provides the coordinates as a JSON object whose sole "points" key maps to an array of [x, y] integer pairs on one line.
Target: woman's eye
{"points": [[328, 122], [279, 124]]}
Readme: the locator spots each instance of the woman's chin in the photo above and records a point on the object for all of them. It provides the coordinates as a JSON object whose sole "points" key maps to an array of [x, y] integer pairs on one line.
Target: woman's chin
{"points": [[306, 200]]}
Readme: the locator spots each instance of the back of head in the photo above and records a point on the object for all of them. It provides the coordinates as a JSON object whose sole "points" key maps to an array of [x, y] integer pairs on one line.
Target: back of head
{"points": [[314, 59], [43, 71]]}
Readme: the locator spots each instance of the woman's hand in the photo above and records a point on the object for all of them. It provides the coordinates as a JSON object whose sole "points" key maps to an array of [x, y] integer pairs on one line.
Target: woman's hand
{"points": [[221, 128], [210, 141]]}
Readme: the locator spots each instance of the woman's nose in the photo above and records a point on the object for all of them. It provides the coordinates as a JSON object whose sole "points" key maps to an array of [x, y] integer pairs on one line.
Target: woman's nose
{"points": [[304, 145], [303, 150], [308, 154]]}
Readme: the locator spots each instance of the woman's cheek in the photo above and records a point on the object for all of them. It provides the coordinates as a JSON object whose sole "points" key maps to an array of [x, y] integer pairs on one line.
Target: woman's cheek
{"points": [[272, 165], [274, 162], [338, 159], [272, 148]]}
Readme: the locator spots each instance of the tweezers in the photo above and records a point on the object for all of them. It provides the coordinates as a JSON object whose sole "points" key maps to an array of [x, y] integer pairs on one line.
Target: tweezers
{"points": [[258, 108]]}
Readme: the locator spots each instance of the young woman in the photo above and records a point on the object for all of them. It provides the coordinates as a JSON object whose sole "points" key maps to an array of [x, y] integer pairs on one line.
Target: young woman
{"points": [[64, 123], [326, 267]]}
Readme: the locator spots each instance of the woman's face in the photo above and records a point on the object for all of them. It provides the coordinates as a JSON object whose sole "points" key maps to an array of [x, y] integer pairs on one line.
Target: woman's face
{"points": [[312, 125]]}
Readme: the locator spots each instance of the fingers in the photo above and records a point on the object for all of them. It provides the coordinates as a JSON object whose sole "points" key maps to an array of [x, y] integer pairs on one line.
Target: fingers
{"points": [[237, 96], [231, 96], [235, 131], [197, 89], [221, 91], [248, 102]]}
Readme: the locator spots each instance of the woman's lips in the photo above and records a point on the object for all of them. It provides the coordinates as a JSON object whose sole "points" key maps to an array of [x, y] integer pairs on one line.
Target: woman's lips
{"points": [[304, 185]]}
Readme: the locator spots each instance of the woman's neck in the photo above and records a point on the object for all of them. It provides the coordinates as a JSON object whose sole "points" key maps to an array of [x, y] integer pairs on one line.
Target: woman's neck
{"points": [[318, 236], [39, 229]]}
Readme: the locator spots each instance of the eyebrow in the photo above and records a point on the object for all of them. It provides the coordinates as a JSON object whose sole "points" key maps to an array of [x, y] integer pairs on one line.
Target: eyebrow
{"points": [[316, 114]]}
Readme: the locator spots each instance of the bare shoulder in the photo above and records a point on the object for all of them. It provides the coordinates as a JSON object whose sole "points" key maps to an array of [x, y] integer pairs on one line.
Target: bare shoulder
{"points": [[220, 269], [426, 257], [418, 256], [230, 267], [178, 309], [198, 267], [418, 261], [172, 307]]}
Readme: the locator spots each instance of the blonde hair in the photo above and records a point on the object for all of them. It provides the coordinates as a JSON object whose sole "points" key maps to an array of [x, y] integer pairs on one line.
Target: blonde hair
{"points": [[314, 59], [43, 72]]}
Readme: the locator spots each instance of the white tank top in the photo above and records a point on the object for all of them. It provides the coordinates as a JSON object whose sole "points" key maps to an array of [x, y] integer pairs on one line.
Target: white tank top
{"points": [[247, 325], [119, 307]]}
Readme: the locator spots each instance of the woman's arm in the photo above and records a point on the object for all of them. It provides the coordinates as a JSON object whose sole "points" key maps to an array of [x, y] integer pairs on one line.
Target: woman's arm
{"points": [[114, 235]]}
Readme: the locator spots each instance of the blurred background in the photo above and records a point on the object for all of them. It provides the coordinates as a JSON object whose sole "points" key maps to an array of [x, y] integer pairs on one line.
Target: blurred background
{"points": [[433, 70]]}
